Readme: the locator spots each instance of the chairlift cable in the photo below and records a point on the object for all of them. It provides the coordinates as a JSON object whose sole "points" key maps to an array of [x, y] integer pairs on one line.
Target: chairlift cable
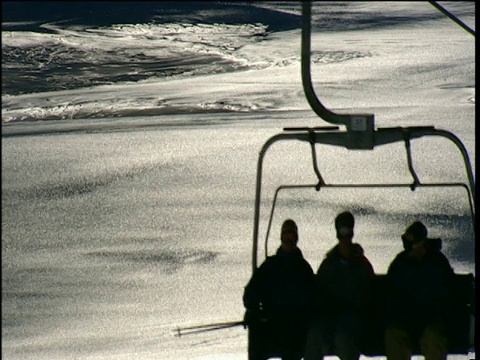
{"points": [[451, 16], [206, 328]]}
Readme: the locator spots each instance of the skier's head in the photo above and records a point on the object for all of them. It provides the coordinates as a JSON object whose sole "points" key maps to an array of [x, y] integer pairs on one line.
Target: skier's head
{"points": [[414, 236], [289, 235], [344, 224]]}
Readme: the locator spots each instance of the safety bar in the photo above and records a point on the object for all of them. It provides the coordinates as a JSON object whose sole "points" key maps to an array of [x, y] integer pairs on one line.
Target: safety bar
{"points": [[380, 185]]}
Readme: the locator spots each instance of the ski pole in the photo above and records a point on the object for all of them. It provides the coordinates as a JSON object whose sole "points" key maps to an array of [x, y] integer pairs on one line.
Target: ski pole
{"points": [[207, 327]]}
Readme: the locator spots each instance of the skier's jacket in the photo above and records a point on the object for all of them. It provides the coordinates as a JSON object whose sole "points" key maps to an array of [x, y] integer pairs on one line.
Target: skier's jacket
{"points": [[419, 290], [282, 286], [344, 285]]}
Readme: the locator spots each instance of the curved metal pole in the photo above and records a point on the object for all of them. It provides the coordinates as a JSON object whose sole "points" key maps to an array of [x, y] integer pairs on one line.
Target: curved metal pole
{"points": [[466, 159], [356, 186], [315, 104], [258, 190], [360, 125], [416, 181], [315, 162]]}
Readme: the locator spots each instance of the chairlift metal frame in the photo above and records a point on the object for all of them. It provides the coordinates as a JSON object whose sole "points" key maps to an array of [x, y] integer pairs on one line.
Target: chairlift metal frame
{"points": [[360, 134]]}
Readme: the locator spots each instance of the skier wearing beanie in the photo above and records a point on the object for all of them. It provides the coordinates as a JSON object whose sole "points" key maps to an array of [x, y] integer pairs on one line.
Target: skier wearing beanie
{"points": [[344, 283], [418, 307], [278, 299]]}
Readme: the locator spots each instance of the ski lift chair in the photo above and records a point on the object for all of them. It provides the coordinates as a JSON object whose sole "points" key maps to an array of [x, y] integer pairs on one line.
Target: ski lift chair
{"points": [[461, 337], [361, 134]]}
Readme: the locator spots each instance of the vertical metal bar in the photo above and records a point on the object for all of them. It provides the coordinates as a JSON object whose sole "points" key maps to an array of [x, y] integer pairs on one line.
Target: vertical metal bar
{"points": [[321, 182], [258, 191], [466, 158], [315, 104], [416, 181]]}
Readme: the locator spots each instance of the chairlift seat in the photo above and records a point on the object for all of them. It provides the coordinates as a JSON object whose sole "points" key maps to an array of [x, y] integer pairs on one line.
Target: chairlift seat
{"points": [[460, 335], [461, 332]]}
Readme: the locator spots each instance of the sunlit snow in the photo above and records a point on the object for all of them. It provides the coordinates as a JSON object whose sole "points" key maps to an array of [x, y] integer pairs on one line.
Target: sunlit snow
{"points": [[128, 178]]}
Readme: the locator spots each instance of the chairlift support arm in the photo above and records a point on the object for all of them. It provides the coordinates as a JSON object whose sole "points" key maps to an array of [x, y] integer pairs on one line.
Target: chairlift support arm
{"points": [[353, 122]]}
